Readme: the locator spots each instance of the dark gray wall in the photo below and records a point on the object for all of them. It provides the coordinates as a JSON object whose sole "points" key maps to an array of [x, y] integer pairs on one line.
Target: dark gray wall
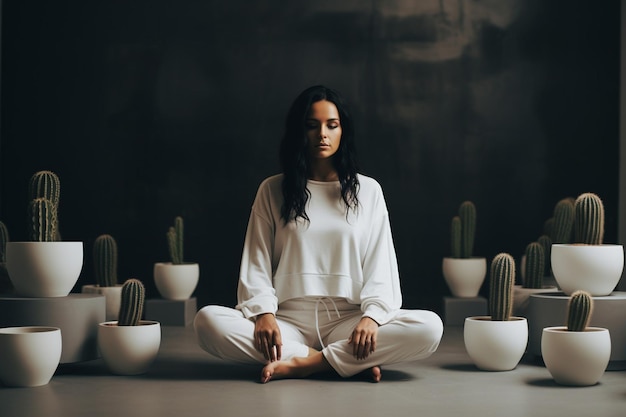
{"points": [[152, 109]]}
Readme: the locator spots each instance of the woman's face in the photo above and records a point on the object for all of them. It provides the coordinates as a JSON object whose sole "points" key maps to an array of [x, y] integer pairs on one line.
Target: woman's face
{"points": [[323, 129]]}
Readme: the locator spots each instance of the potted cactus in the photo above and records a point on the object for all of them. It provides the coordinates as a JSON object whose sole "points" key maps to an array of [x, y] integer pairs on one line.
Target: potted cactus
{"points": [[176, 280], [533, 264], [464, 274], [44, 266], [105, 255], [5, 282], [587, 264], [130, 345], [497, 342], [576, 354]]}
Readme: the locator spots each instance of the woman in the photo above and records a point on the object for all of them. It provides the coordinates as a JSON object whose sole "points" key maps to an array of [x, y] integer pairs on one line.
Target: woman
{"points": [[318, 288]]}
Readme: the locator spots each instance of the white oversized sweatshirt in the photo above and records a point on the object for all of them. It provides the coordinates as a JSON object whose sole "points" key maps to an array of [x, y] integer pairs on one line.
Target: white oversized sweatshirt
{"points": [[330, 256]]}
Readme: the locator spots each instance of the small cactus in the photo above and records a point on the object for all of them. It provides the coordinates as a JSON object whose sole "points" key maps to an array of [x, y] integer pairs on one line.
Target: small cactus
{"points": [[546, 242], [535, 265], [105, 261], [463, 231], [579, 309], [4, 238], [175, 241], [589, 219], [43, 221], [131, 304], [46, 184], [563, 221], [502, 279]]}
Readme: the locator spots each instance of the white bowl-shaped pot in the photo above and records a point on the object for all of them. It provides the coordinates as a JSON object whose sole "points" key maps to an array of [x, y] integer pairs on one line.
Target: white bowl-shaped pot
{"points": [[464, 276], [593, 268], [576, 358], [495, 345], [29, 356], [112, 296], [44, 269], [176, 282], [129, 350], [521, 298]]}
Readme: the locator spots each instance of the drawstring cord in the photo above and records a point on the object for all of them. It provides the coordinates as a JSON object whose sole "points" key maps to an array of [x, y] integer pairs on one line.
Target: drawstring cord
{"points": [[317, 324]]}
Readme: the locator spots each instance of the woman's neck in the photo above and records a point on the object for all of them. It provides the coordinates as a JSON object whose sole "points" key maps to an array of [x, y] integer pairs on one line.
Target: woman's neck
{"points": [[325, 172]]}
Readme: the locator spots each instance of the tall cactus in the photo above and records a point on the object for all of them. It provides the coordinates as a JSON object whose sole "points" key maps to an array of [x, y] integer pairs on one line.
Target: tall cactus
{"points": [[43, 221], [4, 238], [131, 304], [105, 260], [579, 309], [467, 213], [546, 242], [46, 184], [589, 219], [535, 265], [563, 221], [175, 241], [502, 279]]}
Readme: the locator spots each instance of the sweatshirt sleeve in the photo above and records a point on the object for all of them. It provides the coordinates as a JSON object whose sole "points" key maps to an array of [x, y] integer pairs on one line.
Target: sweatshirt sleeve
{"points": [[381, 297], [255, 292]]}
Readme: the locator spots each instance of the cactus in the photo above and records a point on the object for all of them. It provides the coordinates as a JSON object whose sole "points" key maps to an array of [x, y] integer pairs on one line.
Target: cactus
{"points": [[4, 238], [546, 242], [502, 279], [563, 221], [579, 309], [455, 236], [535, 265], [131, 304], [105, 260], [463, 231], [175, 241], [46, 184], [589, 219], [43, 221]]}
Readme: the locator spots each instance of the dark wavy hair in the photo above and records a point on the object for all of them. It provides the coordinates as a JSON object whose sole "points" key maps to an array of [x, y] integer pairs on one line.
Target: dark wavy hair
{"points": [[294, 158]]}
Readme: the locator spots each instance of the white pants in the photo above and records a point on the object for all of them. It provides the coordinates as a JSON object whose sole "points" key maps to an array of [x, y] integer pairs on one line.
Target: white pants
{"points": [[413, 334]]}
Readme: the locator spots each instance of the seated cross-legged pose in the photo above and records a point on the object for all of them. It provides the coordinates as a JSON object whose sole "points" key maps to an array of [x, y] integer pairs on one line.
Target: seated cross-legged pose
{"points": [[318, 287]]}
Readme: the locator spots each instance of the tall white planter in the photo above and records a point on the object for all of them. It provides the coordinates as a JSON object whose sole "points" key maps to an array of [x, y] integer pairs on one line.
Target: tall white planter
{"points": [[495, 345], [129, 350], [593, 268], [176, 282], [464, 276], [576, 358], [29, 356], [44, 269]]}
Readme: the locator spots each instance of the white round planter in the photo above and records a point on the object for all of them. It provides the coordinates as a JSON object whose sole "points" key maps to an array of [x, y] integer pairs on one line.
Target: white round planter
{"points": [[112, 296], [44, 269], [29, 356], [495, 345], [129, 350], [464, 276], [576, 358], [176, 282], [594, 268]]}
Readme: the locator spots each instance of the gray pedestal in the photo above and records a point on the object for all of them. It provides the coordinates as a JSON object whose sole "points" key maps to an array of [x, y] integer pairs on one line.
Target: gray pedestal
{"points": [[550, 309], [457, 309], [77, 315], [171, 312]]}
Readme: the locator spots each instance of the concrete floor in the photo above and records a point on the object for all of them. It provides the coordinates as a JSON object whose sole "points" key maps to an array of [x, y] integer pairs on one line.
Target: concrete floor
{"points": [[184, 381]]}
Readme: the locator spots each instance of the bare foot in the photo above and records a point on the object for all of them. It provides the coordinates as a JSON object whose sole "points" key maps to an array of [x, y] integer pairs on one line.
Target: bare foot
{"points": [[376, 373], [292, 368]]}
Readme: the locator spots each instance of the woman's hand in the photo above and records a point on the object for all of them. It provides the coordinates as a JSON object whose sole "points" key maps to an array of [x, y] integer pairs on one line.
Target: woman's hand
{"points": [[363, 338], [267, 338]]}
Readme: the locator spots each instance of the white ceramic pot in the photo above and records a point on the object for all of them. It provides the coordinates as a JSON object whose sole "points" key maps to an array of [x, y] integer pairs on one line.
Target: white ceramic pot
{"points": [[112, 296], [464, 276], [44, 269], [129, 350], [495, 345], [594, 268], [576, 358], [176, 282], [29, 356], [521, 298]]}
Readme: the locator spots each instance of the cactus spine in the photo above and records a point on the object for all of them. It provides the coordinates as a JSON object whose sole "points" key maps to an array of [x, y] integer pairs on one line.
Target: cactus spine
{"points": [[131, 305], [579, 309], [563, 221], [43, 222], [4, 238], [175, 241], [501, 287], [589, 219], [105, 260], [535, 265]]}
